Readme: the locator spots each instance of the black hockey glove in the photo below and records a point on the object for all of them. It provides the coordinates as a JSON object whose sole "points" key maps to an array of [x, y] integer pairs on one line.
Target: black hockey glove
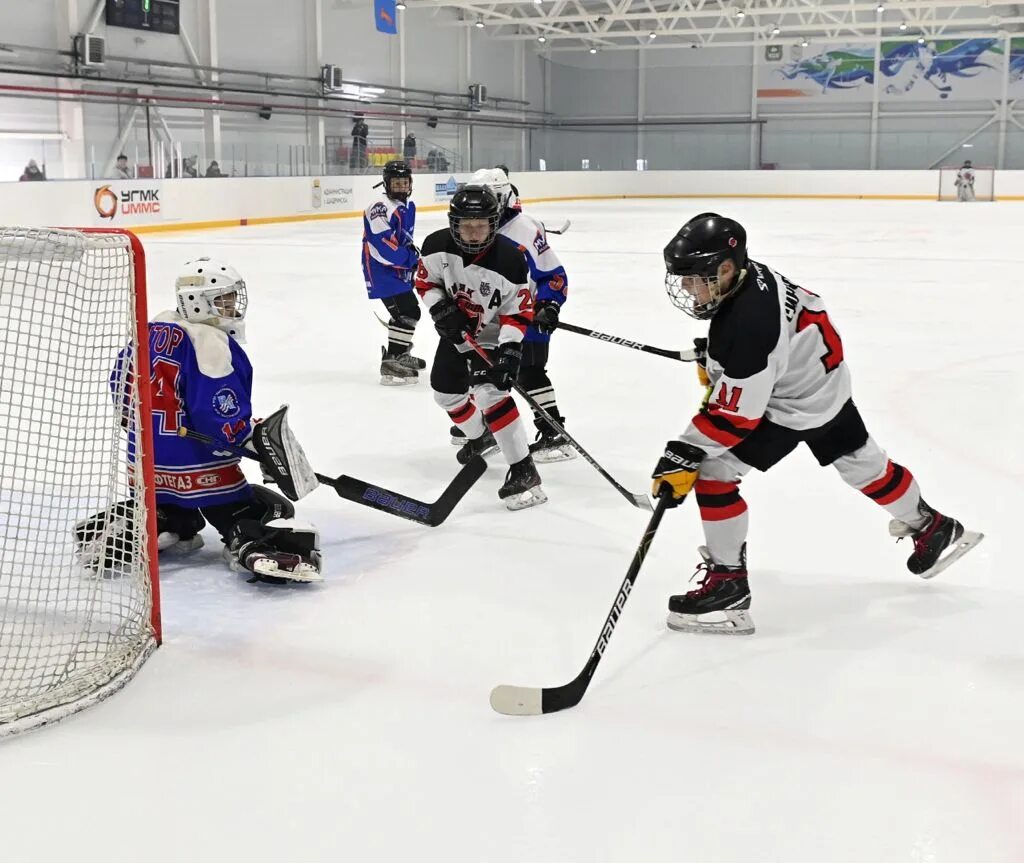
{"points": [[677, 468], [449, 320], [506, 358], [545, 316]]}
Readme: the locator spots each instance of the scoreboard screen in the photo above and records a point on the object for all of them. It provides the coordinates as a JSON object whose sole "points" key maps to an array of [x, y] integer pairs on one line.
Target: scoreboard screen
{"points": [[157, 16]]}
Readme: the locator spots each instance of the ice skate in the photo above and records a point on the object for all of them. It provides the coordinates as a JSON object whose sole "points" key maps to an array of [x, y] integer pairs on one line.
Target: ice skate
{"points": [[458, 436], [395, 373], [720, 604], [522, 486], [411, 362], [941, 541], [483, 445], [551, 446]]}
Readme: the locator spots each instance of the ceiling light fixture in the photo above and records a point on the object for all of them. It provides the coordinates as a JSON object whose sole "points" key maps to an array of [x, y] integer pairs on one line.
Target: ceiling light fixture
{"points": [[542, 39], [776, 30], [804, 43], [652, 35], [880, 8], [593, 50], [920, 40], [903, 25], [400, 7], [740, 13]]}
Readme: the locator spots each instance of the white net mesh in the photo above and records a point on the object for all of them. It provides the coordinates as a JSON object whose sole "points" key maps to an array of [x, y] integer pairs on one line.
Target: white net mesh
{"points": [[76, 594], [984, 183]]}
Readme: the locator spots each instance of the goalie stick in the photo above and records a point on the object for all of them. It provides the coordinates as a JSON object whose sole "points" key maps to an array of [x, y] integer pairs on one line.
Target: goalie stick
{"points": [[682, 356], [375, 496], [641, 501], [532, 701]]}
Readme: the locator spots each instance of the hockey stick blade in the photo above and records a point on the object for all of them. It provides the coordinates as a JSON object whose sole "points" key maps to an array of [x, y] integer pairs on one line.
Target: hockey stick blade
{"points": [[364, 493], [561, 229], [531, 701], [421, 512]]}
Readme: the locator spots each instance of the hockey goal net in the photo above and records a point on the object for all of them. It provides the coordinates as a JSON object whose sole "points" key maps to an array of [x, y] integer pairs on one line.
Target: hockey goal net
{"points": [[984, 183], [79, 596]]}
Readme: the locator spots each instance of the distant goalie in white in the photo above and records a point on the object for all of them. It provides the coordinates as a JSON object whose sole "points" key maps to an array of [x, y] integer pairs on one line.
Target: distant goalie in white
{"points": [[965, 182]]}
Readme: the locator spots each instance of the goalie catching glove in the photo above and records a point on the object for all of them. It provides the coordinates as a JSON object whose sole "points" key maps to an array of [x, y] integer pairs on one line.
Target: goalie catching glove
{"points": [[281, 457], [677, 468]]}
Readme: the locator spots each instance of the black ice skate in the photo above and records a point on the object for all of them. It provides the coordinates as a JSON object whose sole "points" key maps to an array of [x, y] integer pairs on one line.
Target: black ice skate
{"points": [[411, 362], [483, 445], [395, 373], [720, 605], [551, 446], [458, 436], [941, 541], [522, 486]]}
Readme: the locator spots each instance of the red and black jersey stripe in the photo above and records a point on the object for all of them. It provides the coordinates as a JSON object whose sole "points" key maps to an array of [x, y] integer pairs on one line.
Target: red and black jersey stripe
{"points": [[719, 500], [891, 486], [723, 428], [463, 412], [501, 414], [520, 321]]}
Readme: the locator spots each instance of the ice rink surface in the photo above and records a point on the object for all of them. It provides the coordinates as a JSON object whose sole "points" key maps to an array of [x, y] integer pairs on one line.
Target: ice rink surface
{"points": [[874, 717]]}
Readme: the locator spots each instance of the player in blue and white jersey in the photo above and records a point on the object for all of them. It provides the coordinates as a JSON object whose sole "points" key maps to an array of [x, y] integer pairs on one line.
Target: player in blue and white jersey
{"points": [[389, 263]]}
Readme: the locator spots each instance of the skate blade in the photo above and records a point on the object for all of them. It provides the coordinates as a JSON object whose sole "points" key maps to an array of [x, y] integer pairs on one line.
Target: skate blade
{"points": [[967, 541], [734, 623], [547, 456], [303, 572], [526, 499], [392, 381]]}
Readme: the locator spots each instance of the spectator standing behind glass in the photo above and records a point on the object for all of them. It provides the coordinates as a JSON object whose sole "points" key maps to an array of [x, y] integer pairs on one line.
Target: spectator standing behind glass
{"points": [[214, 170], [409, 147], [32, 172], [360, 134], [121, 171]]}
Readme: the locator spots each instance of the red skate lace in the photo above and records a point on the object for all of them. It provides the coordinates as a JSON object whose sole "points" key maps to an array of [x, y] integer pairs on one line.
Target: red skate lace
{"points": [[709, 580]]}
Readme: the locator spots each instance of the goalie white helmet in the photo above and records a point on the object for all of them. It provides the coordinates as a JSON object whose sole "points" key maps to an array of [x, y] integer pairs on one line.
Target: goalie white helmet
{"points": [[497, 181], [212, 292]]}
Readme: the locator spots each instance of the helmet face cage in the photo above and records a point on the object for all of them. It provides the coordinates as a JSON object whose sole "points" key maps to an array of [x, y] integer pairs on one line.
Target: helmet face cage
{"points": [[455, 221], [213, 293], [397, 171], [695, 288]]}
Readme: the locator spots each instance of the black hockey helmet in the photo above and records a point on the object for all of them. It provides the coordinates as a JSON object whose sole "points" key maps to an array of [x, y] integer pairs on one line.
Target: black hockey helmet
{"points": [[695, 253], [397, 170], [469, 203], [967, 163], [502, 168]]}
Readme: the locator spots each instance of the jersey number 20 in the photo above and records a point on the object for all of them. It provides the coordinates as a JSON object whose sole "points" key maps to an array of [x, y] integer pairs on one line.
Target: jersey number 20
{"points": [[833, 355]]}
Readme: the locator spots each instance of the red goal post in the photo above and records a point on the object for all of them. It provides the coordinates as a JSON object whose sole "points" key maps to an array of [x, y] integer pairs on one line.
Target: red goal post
{"points": [[79, 585], [984, 183]]}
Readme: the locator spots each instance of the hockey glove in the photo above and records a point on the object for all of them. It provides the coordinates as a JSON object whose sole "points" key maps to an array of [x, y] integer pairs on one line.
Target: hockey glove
{"points": [[506, 358], [449, 320], [700, 348], [545, 316], [677, 468]]}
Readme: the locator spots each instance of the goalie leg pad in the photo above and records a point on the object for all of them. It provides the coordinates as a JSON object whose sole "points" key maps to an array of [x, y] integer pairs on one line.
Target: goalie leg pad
{"points": [[276, 551]]}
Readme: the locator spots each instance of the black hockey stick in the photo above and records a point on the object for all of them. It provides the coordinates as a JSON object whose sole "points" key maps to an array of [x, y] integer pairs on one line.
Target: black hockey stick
{"points": [[531, 701], [683, 356], [376, 497], [562, 229], [641, 501]]}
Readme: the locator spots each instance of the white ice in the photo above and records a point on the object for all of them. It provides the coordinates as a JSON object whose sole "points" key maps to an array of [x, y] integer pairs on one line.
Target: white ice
{"points": [[873, 717]]}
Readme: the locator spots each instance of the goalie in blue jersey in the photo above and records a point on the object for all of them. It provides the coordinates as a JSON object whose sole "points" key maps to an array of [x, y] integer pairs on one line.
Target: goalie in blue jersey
{"points": [[201, 381]]}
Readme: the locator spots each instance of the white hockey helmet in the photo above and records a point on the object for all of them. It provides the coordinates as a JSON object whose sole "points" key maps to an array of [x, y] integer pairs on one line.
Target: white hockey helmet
{"points": [[212, 292], [497, 181]]}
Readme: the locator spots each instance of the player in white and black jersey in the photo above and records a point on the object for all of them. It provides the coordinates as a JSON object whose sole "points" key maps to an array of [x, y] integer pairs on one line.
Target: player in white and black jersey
{"points": [[474, 282], [776, 378]]}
